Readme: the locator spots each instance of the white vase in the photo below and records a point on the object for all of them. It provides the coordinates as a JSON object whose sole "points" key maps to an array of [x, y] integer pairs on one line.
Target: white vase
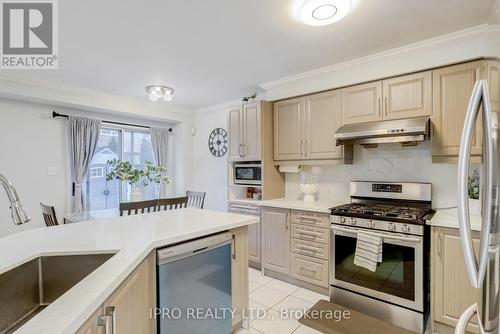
{"points": [[135, 194], [474, 207], [309, 189]]}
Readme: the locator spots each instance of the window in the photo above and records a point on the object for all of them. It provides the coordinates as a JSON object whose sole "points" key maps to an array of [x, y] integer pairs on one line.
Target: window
{"points": [[122, 144], [96, 172]]}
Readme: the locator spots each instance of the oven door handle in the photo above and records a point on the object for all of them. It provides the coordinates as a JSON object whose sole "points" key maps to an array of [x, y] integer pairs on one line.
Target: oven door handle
{"points": [[384, 235]]}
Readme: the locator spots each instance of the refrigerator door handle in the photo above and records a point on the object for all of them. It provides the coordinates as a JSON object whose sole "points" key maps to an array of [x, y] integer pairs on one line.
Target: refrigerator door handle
{"points": [[476, 268], [465, 318]]}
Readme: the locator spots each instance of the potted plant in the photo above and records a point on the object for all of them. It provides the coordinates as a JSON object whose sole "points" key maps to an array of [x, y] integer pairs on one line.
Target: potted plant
{"points": [[473, 186], [125, 171], [250, 98]]}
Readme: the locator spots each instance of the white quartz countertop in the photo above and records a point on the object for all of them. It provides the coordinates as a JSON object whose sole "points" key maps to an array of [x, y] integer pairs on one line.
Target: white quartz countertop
{"points": [[449, 218], [132, 237], [286, 203]]}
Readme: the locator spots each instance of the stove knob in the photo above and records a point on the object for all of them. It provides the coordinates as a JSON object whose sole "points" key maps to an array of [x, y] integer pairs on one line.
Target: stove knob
{"points": [[391, 227], [371, 223], [353, 221], [405, 228]]}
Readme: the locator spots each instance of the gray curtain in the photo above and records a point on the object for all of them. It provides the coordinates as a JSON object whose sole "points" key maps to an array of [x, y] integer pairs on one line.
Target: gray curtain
{"points": [[159, 141], [83, 137]]}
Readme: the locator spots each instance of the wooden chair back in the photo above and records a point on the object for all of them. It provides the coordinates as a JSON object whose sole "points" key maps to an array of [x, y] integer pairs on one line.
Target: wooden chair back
{"points": [[49, 215], [138, 207], [196, 199], [172, 203]]}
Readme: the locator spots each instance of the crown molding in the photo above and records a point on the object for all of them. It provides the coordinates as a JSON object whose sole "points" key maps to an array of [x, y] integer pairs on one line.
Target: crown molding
{"points": [[87, 99], [226, 105], [426, 46]]}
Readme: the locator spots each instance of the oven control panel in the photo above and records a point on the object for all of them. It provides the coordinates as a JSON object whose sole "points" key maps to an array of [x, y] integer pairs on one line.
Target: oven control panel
{"points": [[381, 225], [387, 188]]}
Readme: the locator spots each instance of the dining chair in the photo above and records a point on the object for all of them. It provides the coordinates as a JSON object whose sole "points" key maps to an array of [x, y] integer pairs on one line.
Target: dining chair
{"points": [[138, 207], [172, 203], [196, 199], [49, 215]]}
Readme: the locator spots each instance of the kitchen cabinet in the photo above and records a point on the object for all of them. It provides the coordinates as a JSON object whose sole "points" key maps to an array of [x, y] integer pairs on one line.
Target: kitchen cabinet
{"points": [[451, 291], [304, 128], [254, 230], [363, 103], [288, 136], [244, 124], [408, 96], [493, 76], [239, 275], [127, 310], [452, 89], [276, 225]]}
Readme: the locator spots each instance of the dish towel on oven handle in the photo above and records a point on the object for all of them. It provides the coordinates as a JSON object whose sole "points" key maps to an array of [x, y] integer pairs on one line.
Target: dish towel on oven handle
{"points": [[368, 250]]}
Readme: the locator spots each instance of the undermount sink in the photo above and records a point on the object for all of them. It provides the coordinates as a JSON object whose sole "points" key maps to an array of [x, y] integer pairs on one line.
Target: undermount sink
{"points": [[28, 288]]}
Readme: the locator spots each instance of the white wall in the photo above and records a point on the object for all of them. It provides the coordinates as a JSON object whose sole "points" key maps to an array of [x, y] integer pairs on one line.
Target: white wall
{"points": [[31, 141], [389, 162], [209, 172]]}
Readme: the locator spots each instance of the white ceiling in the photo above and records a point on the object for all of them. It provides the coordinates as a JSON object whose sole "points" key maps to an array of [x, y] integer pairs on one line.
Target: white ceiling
{"points": [[219, 50]]}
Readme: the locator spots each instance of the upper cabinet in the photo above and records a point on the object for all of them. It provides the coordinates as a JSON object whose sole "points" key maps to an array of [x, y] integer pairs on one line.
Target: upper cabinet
{"points": [[304, 128], [408, 96], [363, 103], [452, 89], [288, 126], [401, 97], [244, 124]]}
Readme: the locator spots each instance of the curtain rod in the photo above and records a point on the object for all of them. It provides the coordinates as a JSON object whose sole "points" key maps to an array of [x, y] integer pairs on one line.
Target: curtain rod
{"points": [[56, 114]]}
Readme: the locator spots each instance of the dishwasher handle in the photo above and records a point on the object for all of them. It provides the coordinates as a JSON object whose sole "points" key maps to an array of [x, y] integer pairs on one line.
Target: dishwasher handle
{"points": [[189, 248]]}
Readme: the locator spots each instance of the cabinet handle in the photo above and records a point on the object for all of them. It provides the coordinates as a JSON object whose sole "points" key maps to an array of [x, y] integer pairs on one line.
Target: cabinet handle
{"points": [[440, 246], [379, 105], [233, 241], [305, 148], [102, 321], [386, 106], [307, 269], [243, 153], [109, 311], [301, 148]]}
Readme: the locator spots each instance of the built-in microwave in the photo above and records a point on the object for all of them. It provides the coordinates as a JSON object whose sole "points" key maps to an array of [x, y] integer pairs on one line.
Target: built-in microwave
{"points": [[248, 174]]}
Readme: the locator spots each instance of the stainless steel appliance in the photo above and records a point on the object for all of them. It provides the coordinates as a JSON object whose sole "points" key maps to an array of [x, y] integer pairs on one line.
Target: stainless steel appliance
{"points": [[483, 269], [405, 131], [248, 174], [192, 276], [397, 291]]}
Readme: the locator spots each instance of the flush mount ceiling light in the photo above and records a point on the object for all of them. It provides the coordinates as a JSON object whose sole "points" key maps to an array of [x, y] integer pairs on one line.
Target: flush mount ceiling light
{"points": [[323, 12], [157, 92]]}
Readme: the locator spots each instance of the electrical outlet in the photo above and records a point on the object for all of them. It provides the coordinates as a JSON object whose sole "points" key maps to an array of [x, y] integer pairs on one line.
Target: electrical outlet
{"points": [[51, 171]]}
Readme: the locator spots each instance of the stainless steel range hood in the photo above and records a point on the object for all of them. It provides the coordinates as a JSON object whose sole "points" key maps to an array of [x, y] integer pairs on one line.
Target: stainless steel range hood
{"points": [[408, 132]]}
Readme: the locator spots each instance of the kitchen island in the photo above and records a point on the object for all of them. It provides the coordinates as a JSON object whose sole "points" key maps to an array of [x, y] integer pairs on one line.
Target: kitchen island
{"points": [[132, 238]]}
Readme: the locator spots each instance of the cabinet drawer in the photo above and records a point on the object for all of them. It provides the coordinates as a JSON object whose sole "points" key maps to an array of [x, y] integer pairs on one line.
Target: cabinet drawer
{"points": [[248, 209], [310, 248], [311, 233], [309, 269], [311, 218]]}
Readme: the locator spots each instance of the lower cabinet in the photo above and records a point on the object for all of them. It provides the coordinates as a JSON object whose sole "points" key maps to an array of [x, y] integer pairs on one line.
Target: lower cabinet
{"points": [[451, 291], [254, 245], [239, 275], [127, 310], [296, 244]]}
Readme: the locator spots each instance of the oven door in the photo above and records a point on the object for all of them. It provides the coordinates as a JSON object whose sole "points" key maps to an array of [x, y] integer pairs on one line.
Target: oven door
{"points": [[398, 278]]}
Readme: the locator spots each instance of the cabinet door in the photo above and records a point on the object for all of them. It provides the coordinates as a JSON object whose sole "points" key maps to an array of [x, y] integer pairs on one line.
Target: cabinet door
{"points": [[254, 233], [251, 131], [494, 84], [239, 273], [276, 225], [134, 299], [90, 326], [323, 118], [363, 103], [408, 96], [288, 136], [452, 89], [235, 134], [451, 290]]}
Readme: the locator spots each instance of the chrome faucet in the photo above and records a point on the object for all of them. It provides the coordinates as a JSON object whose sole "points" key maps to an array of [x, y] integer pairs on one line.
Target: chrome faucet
{"points": [[19, 216]]}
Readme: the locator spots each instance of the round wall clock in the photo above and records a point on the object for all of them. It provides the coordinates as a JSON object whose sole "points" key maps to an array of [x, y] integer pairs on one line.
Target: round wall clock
{"points": [[217, 142]]}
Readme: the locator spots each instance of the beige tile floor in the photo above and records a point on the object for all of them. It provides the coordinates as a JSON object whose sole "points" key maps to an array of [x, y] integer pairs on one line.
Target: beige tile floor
{"points": [[272, 298]]}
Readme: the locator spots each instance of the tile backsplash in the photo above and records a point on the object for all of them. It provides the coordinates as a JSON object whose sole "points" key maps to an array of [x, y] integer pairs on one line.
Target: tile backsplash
{"points": [[388, 162]]}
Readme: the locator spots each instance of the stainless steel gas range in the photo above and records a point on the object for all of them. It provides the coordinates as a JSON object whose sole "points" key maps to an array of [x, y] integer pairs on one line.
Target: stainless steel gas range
{"points": [[397, 291]]}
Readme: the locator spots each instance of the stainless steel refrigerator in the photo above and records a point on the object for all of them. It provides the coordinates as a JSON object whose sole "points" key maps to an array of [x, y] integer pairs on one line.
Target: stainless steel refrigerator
{"points": [[483, 267]]}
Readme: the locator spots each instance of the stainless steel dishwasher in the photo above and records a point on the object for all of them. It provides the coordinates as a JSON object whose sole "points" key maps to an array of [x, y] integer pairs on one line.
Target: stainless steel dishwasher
{"points": [[194, 286]]}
